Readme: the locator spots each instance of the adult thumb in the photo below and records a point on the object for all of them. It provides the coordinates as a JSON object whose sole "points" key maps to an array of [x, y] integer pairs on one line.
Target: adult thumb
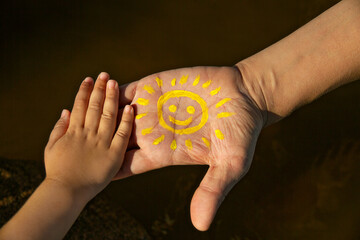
{"points": [[209, 195], [60, 127]]}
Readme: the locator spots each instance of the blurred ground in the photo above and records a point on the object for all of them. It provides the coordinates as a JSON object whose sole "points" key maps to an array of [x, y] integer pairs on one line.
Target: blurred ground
{"points": [[305, 177]]}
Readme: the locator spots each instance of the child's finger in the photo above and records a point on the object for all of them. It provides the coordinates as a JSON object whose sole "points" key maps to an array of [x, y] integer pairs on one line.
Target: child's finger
{"points": [[81, 103], [110, 110], [127, 93], [96, 103], [60, 128], [123, 133]]}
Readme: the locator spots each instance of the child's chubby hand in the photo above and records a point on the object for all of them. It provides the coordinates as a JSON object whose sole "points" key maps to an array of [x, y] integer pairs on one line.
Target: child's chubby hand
{"points": [[84, 152]]}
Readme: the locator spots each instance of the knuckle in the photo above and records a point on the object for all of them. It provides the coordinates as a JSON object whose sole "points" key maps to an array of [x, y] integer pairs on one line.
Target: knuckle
{"points": [[80, 102], [108, 115], [111, 95], [126, 121], [95, 106], [60, 123], [122, 134], [214, 191], [101, 86]]}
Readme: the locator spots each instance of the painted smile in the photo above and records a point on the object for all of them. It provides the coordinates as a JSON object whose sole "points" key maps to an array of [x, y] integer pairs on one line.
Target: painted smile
{"points": [[180, 122]]}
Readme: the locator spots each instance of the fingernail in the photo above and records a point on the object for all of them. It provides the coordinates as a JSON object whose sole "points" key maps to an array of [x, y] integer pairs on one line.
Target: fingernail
{"points": [[103, 75], [111, 84], [63, 113], [128, 109], [88, 80]]}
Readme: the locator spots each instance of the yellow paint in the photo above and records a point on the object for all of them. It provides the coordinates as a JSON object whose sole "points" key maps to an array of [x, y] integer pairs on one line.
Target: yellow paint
{"points": [[219, 134], [143, 101], [184, 79], [182, 93], [173, 144], [206, 84], [159, 82], [215, 91], [222, 102], [196, 81], [225, 114], [146, 131], [180, 122], [149, 89], [207, 143], [172, 108], [188, 144], [138, 116], [173, 82], [190, 109], [159, 140]]}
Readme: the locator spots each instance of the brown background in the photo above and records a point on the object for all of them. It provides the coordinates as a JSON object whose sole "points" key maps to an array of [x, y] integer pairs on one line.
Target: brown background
{"points": [[304, 182]]}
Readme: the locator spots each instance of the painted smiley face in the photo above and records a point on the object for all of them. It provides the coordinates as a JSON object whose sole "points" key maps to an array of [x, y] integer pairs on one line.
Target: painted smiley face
{"points": [[190, 109]]}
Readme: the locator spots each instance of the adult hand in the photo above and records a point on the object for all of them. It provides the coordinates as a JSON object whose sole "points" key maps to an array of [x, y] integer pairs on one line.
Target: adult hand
{"points": [[200, 115]]}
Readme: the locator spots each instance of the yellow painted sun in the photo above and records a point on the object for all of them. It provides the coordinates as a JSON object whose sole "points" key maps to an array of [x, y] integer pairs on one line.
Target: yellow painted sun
{"points": [[190, 109]]}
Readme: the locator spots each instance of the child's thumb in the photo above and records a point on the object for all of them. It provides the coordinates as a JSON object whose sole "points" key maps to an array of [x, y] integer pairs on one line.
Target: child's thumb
{"points": [[60, 127]]}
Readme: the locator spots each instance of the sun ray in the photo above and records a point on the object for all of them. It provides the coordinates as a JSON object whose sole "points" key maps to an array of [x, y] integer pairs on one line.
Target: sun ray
{"points": [[215, 91], [219, 134], [173, 145], [225, 114], [159, 81], [173, 82], [206, 141], [184, 79], [146, 131], [222, 102], [143, 101], [196, 81], [188, 144], [138, 116], [149, 89], [159, 140], [206, 84]]}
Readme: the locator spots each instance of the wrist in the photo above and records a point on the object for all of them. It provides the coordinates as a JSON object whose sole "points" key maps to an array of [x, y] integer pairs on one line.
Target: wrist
{"points": [[258, 84], [78, 196]]}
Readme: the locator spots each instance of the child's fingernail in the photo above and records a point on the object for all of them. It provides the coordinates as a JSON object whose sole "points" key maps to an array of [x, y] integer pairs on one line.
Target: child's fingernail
{"points": [[111, 84], [128, 109], [103, 75], [63, 113], [88, 80]]}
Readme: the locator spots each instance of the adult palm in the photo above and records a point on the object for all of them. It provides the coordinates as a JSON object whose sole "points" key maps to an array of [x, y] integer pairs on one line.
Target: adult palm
{"points": [[200, 115]]}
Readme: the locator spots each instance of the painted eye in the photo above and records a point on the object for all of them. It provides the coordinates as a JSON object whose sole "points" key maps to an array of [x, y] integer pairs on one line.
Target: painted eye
{"points": [[190, 109], [172, 108]]}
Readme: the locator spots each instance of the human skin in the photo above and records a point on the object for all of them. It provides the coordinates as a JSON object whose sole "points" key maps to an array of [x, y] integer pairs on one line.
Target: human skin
{"points": [[264, 88], [83, 154]]}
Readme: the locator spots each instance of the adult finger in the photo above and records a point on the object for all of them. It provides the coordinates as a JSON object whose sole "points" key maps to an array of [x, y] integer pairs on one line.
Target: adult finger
{"points": [[96, 103], [81, 103], [60, 128], [127, 93], [209, 196], [122, 135], [109, 114]]}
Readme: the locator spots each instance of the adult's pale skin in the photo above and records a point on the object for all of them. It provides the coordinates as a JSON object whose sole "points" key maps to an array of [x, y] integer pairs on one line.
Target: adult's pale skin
{"points": [[268, 86]]}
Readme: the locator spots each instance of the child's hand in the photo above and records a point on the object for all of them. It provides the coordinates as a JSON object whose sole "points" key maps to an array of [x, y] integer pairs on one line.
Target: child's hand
{"points": [[83, 154]]}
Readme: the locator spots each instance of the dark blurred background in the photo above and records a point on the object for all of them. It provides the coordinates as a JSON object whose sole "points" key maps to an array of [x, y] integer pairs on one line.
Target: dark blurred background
{"points": [[304, 181]]}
